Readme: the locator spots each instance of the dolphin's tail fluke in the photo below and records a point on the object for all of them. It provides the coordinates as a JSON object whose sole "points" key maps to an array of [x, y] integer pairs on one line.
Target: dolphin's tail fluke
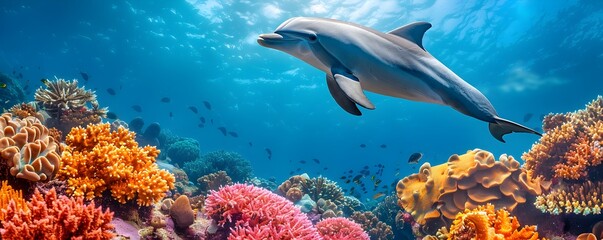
{"points": [[501, 126]]}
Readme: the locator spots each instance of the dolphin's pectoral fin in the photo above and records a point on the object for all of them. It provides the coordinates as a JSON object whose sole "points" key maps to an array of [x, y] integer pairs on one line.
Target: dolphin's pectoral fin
{"points": [[503, 126], [412, 32], [350, 85], [340, 97]]}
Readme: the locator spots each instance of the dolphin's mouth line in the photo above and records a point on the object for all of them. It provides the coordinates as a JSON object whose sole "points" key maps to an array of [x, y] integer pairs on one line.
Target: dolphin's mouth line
{"points": [[275, 38]]}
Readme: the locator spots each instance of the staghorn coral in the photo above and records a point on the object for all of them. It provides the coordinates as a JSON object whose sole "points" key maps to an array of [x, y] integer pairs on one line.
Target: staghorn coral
{"points": [[98, 159], [68, 105], [484, 222], [213, 181], [54, 217], [27, 149], [250, 212], [340, 228], [237, 168], [463, 182], [580, 198], [571, 146], [376, 229], [8, 194]]}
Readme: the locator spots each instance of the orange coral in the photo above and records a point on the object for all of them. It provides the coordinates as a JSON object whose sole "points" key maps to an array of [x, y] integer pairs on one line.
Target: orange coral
{"points": [[484, 222], [27, 149], [464, 182], [24, 110], [98, 159], [7, 193], [571, 145]]}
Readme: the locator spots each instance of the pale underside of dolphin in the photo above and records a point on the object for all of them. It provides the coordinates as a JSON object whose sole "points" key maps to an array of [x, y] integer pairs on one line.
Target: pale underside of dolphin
{"points": [[357, 58]]}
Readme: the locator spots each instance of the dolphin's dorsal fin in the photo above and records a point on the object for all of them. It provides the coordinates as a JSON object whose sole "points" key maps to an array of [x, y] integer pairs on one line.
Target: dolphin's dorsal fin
{"points": [[412, 32]]}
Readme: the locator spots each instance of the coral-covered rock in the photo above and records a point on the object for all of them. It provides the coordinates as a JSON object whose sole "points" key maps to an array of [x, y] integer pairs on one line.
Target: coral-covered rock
{"points": [[465, 182], [249, 212], [182, 213], [54, 217], [98, 160], [340, 228]]}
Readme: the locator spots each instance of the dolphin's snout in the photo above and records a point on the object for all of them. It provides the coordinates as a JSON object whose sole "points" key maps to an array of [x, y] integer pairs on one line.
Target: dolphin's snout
{"points": [[271, 36]]}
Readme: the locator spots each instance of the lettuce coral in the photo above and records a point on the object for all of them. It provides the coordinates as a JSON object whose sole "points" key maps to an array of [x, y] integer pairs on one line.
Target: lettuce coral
{"points": [[53, 217], [463, 182], [27, 149], [571, 146], [340, 228], [250, 212], [97, 159]]}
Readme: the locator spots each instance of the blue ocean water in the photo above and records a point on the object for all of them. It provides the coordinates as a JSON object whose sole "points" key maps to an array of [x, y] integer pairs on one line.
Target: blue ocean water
{"points": [[527, 57]]}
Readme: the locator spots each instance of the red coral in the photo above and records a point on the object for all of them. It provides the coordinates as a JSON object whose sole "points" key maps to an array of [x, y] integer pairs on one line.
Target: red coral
{"points": [[54, 217], [340, 228], [255, 213]]}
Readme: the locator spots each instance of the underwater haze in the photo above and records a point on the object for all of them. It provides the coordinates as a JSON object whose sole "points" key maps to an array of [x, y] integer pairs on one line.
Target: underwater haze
{"points": [[530, 58]]}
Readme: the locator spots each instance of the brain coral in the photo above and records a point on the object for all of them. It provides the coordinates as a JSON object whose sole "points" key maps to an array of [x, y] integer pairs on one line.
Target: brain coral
{"points": [[250, 212], [463, 182], [340, 228], [27, 149], [571, 146], [98, 159]]}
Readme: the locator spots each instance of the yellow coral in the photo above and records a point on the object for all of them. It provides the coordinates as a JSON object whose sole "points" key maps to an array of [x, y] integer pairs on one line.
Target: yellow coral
{"points": [[98, 159], [580, 198], [484, 222], [7, 193], [465, 182]]}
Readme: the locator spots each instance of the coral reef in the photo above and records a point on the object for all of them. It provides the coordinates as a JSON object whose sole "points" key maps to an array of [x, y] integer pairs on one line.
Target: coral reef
{"points": [[12, 94], [54, 217], [68, 105], [250, 212], [237, 168], [213, 181], [571, 146], [23, 110], [352, 204], [182, 151], [292, 187], [27, 149], [579, 198], [327, 209], [8, 194], [464, 182], [484, 222], [98, 159], [297, 186], [340, 228], [376, 229]]}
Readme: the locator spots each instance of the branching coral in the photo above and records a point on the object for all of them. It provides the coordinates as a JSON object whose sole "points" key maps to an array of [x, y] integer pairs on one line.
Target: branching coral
{"points": [[484, 222], [376, 229], [466, 181], [250, 212], [53, 217], [237, 167], [340, 229], [580, 198], [8, 194], [98, 159], [571, 145], [27, 149]]}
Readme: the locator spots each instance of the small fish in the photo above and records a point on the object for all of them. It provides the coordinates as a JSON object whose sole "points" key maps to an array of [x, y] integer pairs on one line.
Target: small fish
{"points": [[302, 161], [111, 115], [269, 152], [137, 108], [202, 120], [2, 85], [373, 177], [85, 76], [207, 105], [233, 134], [357, 178], [171, 114], [291, 173], [223, 130], [166, 100], [250, 144], [325, 168], [20, 76], [383, 146], [45, 81], [342, 177], [316, 160], [200, 125], [362, 145], [527, 117], [111, 91], [348, 181], [193, 109], [415, 157]]}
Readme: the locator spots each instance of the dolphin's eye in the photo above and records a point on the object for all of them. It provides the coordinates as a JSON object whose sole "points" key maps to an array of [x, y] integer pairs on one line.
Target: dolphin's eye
{"points": [[312, 38]]}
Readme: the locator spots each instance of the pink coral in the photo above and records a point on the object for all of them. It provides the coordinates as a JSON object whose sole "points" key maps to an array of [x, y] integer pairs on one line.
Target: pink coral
{"points": [[340, 228], [53, 217], [255, 213]]}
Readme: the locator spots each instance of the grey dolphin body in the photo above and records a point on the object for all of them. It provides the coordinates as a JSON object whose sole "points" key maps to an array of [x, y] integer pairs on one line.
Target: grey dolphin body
{"points": [[357, 58]]}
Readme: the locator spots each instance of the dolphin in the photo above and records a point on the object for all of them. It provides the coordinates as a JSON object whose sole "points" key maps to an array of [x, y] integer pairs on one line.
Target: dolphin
{"points": [[357, 58]]}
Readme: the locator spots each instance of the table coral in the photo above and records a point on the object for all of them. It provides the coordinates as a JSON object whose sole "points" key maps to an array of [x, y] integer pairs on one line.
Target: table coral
{"points": [[54, 217], [340, 228], [8, 194], [571, 146], [27, 149], [97, 159], [484, 222], [579, 198], [250, 212], [464, 182]]}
